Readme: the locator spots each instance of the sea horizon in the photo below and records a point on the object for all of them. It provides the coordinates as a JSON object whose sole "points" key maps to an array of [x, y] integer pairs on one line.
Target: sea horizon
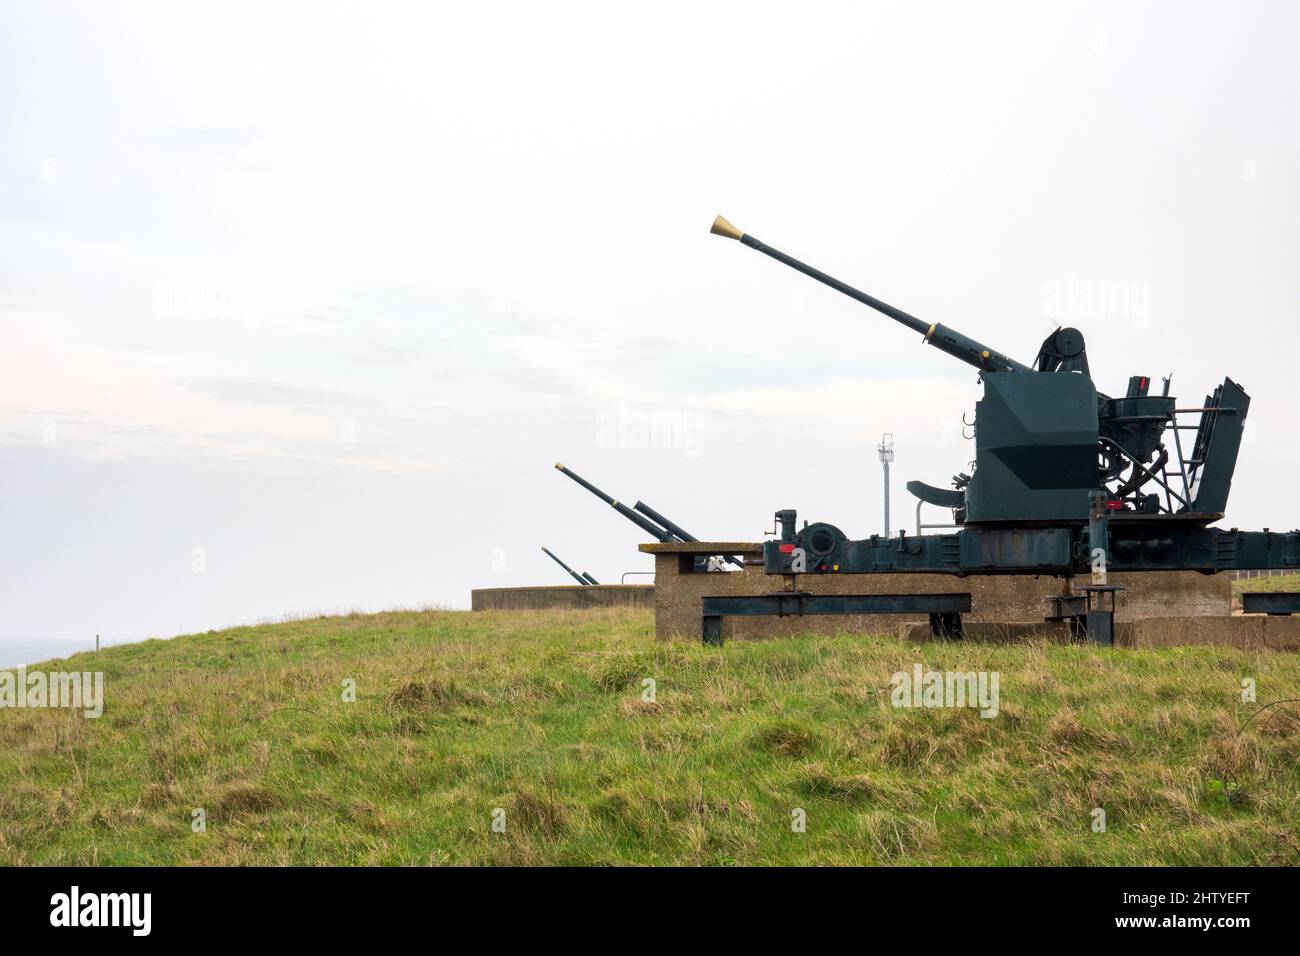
{"points": [[26, 651]]}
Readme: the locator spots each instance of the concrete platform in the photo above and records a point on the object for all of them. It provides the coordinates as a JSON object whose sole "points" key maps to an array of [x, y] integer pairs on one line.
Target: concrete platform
{"points": [[996, 599], [1251, 632], [562, 596]]}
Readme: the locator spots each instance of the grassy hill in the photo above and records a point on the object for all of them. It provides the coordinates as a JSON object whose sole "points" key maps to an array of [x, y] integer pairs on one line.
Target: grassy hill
{"points": [[539, 714]]}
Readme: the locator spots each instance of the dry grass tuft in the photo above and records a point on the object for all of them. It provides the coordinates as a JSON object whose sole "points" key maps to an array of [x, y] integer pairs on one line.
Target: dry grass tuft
{"points": [[431, 693], [817, 781], [786, 739], [537, 814], [246, 799], [1064, 727]]}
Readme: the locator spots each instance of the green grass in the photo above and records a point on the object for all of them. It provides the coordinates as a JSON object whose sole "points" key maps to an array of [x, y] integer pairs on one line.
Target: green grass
{"points": [[1279, 582], [540, 714]]}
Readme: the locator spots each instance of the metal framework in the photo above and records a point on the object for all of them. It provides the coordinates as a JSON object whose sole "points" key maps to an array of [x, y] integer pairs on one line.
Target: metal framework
{"points": [[886, 450]]}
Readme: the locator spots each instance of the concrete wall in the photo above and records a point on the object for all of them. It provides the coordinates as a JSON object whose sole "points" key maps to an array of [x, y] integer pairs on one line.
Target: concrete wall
{"points": [[1161, 610], [562, 596], [1253, 632], [994, 598]]}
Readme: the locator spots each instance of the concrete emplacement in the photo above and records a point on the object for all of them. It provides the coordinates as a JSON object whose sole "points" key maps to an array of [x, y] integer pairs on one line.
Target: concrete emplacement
{"points": [[1157, 609], [566, 596]]}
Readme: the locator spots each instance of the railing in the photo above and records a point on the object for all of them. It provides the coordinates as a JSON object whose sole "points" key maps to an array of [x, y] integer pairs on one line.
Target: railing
{"points": [[925, 527]]}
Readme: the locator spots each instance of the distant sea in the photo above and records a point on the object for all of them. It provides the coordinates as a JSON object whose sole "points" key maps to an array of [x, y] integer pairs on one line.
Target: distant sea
{"points": [[15, 653]]}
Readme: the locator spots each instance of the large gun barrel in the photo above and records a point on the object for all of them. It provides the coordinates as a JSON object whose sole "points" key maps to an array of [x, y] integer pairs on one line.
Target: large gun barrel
{"points": [[642, 522], [941, 337], [584, 578], [679, 531], [642, 515]]}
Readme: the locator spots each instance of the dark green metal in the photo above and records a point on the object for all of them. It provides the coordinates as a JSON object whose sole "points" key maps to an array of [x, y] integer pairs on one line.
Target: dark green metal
{"points": [[645, 518], [800, 603], [941, 337], [1218, 441], [712, 629], [584, 578], [944, 610], [645, 524], [1035, 449], [1270, 602], [677, 530], [1130, 546]]}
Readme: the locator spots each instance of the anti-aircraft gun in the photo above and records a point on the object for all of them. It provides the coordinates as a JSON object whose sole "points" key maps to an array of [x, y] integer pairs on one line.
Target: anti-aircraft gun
{"points": [[1066, 479], [652, 522], [585, 579]]}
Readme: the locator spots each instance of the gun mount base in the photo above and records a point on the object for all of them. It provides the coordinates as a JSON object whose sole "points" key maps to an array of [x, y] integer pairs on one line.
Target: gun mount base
{"points": [[943, 610], [1086, 614]]}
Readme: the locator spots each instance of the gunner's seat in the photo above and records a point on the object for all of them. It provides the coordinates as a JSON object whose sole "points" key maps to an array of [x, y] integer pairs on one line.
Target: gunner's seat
{"points": [[943, 497]]}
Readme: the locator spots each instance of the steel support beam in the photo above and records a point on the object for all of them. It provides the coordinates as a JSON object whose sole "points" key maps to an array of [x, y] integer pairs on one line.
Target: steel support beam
{"points": [[943, 610], [1271, 602]]}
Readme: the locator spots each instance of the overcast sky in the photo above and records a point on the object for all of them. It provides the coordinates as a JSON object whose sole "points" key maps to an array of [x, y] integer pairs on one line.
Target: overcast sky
{"points": [[299, 303]]}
